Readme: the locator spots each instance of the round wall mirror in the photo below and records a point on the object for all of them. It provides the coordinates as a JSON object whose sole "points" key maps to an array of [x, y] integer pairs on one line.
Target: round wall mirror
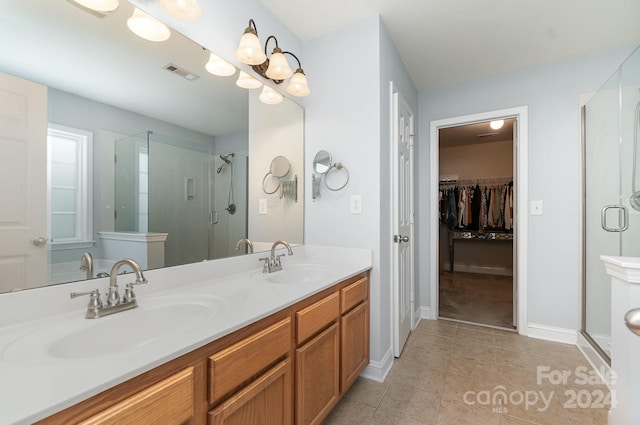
{"points": [[322, 162], [280, 166]]}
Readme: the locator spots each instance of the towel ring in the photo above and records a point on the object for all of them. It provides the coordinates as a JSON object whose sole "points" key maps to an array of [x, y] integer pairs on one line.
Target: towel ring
{"points": [[337, 166], [264, 182]]}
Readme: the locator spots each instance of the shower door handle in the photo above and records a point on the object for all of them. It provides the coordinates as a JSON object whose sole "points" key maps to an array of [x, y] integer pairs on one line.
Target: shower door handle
{"points": [[623, 225]]}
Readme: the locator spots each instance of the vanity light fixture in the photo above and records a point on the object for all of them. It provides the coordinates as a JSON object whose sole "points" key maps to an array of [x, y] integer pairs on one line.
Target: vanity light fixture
{"points": [[147, 27], [218, 66], [183, 10], [103, 6], [246, 81], [270, 96], [497, 124], [276, 67]]}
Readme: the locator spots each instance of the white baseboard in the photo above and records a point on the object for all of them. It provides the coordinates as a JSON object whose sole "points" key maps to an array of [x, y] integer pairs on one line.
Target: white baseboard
{"points": [[600, 365], [417, 316], [427, 313], [552, 333], [378, 370], [479, 269]]}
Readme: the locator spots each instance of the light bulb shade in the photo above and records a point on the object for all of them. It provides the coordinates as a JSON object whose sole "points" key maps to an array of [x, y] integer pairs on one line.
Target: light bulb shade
{"points": [[278, 67], [184, 10], [249, 51], [147, 27], [270, 96], [99, 5], [497, 124], [220, 67], [246, 81], [298, 84]]}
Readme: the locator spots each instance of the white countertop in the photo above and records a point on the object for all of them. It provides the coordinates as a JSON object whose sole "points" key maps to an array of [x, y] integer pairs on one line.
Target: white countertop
{"points": [[34, 385]]}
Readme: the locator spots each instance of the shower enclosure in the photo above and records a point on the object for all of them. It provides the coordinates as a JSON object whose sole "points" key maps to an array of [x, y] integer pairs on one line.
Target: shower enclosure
{"points": [[184, 189], [610, 123]]}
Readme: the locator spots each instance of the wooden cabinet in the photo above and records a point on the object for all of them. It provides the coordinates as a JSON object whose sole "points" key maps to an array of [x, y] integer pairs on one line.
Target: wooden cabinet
{"points": [[290, 367], [170, 402], [266, 401], [317, 377], [354, 344]]}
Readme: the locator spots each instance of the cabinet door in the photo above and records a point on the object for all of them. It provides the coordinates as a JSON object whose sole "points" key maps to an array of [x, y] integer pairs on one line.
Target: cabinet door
{"points": [[266, 401], [170, 401], [354, 352], [317, 377]]}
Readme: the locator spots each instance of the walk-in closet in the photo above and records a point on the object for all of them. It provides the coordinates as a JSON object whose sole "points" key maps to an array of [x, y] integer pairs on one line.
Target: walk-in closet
{"points": [[476, 216]]}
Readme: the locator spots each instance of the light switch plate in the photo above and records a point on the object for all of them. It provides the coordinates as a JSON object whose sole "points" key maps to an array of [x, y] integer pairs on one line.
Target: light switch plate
{"points": [[356, 204], [262, 207], [536, 207]]}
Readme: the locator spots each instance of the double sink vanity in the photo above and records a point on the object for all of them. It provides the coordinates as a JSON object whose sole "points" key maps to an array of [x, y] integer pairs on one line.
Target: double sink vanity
{"points": [[217, 342]]}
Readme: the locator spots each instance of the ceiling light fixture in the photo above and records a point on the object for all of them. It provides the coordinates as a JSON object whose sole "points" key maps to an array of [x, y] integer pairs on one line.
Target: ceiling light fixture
{"points": [[497, 124], [183, 10], [147, 27], [103, 6], [276, 67], [218, 66], [246, 81]]}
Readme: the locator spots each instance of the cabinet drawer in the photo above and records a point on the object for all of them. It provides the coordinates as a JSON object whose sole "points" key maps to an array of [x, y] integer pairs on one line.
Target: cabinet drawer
{"points": [[316, 317], [231, 367], [353, 294], [267, 400], [170, 401]]}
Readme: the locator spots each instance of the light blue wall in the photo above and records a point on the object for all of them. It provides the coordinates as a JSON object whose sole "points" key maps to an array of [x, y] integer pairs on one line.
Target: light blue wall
{"points": [[552, 94]]}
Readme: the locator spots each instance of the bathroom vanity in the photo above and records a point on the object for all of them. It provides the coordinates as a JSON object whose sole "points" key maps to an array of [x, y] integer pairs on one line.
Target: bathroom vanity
{"points": [[283, 347]]}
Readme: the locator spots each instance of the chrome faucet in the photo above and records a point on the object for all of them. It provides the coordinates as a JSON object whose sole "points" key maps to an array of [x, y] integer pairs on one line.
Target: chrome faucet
{"points": [[86, 264], [115, 304], [273, 263], [246, 241]]}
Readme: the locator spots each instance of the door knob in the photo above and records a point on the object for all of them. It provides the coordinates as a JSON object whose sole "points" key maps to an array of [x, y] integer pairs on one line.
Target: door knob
{"points": [[632, 320], [398, 238], [39, 241]]}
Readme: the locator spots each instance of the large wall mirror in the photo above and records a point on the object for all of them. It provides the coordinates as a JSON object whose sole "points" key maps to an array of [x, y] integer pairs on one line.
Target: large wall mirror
{"points": [[149, 156]]}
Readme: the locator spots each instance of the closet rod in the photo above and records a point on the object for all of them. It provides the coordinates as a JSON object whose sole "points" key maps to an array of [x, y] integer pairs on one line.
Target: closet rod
{"points": [[467, 182]]}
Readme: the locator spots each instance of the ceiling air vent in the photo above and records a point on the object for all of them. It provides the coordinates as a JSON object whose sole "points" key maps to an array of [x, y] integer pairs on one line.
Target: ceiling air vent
{"points": [[175, 69]]}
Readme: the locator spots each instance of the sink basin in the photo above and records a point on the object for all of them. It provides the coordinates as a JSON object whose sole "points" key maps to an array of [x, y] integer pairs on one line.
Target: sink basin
{"points": [[299, 273], [79, 338]]}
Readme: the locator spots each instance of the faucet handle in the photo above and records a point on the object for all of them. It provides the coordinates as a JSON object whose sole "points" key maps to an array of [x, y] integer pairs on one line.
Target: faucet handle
{"points": [[129, 295], [94, 298]]}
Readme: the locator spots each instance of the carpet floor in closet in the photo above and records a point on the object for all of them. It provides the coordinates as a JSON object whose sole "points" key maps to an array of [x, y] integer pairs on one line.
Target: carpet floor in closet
{"points": [[477, 298]]}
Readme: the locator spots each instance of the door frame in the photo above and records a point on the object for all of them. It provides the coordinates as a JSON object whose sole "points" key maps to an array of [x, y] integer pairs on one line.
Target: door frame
{"points": [[393, 90], [521, 203]]}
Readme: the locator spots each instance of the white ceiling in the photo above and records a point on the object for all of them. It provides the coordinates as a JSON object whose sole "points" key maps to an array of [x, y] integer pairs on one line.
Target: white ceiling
{"points": [[444, 42]]}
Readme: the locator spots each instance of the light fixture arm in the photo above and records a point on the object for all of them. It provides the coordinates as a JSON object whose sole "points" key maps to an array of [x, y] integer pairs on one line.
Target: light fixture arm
{"points": [[252, 28], [297, 60]]}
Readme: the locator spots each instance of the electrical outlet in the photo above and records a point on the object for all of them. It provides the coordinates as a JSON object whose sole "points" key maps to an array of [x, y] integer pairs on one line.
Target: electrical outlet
{"points": [[536, 207], [356, 204], [262, 207]]}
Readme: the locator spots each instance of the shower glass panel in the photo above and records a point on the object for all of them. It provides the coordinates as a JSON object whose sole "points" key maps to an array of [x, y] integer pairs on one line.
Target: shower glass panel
{"points": [[169, 185], [611, 225], [131, 191]]}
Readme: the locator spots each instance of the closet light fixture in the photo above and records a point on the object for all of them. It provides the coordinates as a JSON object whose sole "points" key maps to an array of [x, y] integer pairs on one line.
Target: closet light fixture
{"points": [[183, 10], [147, 27], [218, 66], [270, 96], [103, 6], [496, 124], [276, 67], [246, 81]]}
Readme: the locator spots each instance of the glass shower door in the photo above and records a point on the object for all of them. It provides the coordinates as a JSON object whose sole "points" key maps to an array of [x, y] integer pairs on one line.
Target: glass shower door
{"points": [[611, 125]]}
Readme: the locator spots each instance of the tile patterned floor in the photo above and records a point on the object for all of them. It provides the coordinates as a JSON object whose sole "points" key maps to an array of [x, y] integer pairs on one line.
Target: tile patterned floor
{"points": [[477, 298], [456, 374]]}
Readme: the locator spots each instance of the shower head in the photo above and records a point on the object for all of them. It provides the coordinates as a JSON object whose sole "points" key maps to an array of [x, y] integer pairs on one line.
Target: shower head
{"points": [[226, 160]]}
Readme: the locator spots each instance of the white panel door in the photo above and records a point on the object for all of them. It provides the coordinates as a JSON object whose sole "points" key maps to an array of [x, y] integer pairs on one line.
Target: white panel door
{"points": [[403, 276], [23, 183]]}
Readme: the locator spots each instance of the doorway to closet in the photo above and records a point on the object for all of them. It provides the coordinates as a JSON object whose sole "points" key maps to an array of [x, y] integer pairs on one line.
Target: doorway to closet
{"points": [[476, 194]]}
